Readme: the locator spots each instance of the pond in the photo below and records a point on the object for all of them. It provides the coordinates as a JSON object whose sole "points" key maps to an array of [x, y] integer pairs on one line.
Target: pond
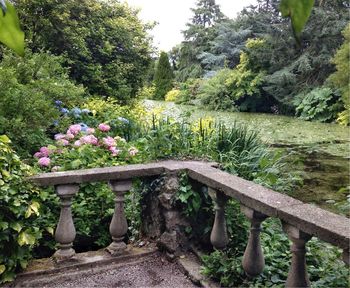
{"points": [[318, 151]]}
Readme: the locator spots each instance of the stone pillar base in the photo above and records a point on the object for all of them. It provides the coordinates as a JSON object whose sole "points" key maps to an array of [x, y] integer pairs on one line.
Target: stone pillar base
{"points": [[63, 254], [116, 248]]}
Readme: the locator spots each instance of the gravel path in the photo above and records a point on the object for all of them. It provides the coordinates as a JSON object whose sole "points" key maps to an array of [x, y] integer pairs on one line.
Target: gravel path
{"points": [[155, 271]]}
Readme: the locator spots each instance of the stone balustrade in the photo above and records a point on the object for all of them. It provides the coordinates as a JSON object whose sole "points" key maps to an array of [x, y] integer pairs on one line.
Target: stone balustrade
{"points": [[300, 221]]}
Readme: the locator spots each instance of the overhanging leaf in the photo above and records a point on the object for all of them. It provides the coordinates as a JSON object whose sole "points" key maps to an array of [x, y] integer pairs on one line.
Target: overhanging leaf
{"points": [[298, 11], [10, 32]]}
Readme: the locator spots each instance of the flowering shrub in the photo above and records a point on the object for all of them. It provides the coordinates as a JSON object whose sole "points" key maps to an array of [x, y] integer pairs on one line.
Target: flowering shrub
{"points": [[85, 147]]}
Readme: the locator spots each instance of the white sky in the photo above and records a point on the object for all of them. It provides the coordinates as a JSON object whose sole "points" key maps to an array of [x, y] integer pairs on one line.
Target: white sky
{"points": [[172, 15]]}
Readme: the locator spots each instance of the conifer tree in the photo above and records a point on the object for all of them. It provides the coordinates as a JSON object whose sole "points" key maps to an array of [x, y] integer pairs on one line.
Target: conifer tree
{"points": [[163, 78], [200, 32]]}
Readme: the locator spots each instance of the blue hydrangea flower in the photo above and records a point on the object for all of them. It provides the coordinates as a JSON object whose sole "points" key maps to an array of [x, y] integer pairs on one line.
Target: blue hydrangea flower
{"points": [[85, 111], [58, 103], [55, 123], [121, 119], [64, 110], [84, 127], [76, 111]]}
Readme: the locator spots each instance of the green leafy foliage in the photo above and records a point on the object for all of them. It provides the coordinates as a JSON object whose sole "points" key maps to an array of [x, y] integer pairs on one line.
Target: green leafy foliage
{"points": [[340, 78], [215, 94], [10, 32], [163, 78], [320, 104], [172, 95], [29, 88], [19, 207], [104, 43], [201, 30]]}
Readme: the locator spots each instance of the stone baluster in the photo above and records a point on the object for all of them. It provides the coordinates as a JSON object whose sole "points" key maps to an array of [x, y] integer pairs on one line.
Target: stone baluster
{"points": [[119, 225], [297, 276], [253, 259], [218, 236], [65, 231]]}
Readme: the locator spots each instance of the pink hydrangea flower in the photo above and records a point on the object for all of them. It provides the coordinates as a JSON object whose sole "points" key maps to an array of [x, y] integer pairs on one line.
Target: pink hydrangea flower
{"points": [[45, 151], [114, 150], [60, 136], [77, 143], [109, 141], [69, 135], [44, 161], [38, 155], [90, 130], [63, 142], [89, 139], [74, 129], [133, 151], [104, 127]]}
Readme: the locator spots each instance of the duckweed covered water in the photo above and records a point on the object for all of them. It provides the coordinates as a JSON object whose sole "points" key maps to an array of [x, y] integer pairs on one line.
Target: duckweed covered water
{"points": [[320, 151]]}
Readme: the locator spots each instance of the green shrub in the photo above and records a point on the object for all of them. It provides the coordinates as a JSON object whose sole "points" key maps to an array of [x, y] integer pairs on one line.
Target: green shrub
{"points": [[189, 90], [215, 94], [29, 88], [19, 207], [172, 95], [320, 104]]}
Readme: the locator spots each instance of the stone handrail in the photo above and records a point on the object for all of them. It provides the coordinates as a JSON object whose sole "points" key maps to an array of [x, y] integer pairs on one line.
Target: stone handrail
{"points": [[299, 220]]}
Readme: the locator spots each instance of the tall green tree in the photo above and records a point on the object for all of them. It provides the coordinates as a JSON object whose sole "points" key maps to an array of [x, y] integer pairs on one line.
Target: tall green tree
{"points": [[341, 78], [163, 78], [105, 44], [200, 31]]}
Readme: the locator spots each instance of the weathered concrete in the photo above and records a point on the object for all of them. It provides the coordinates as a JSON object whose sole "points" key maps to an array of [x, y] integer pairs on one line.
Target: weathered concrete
{"points": [[119, 226], [41, 272], [297, 275], [114, 173], [307, 218], [192, 268], [218, 236], [142, 269], [325, 225], [248, 193], [65, 231], [253, 259]]}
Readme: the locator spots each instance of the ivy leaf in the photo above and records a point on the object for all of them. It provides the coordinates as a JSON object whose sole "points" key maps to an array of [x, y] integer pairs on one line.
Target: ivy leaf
{"points": [[16, 226], [298, 11], [10, 32], [2, 269], [25, 238]]}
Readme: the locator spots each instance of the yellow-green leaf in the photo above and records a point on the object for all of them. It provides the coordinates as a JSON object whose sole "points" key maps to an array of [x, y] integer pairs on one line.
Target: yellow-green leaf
{"points": [[298, 11], [10, 31], [35, 207], [50, 230], [16, 226], [2, 268], [4, 139], [25, 238]]}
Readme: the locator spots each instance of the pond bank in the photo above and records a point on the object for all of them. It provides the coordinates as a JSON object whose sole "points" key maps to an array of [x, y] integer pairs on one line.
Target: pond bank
{"points": [[319, 151]]}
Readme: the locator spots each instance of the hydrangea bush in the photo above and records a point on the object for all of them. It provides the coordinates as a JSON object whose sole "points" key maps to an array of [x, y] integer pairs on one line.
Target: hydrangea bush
{"points": [[86, 147]]}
